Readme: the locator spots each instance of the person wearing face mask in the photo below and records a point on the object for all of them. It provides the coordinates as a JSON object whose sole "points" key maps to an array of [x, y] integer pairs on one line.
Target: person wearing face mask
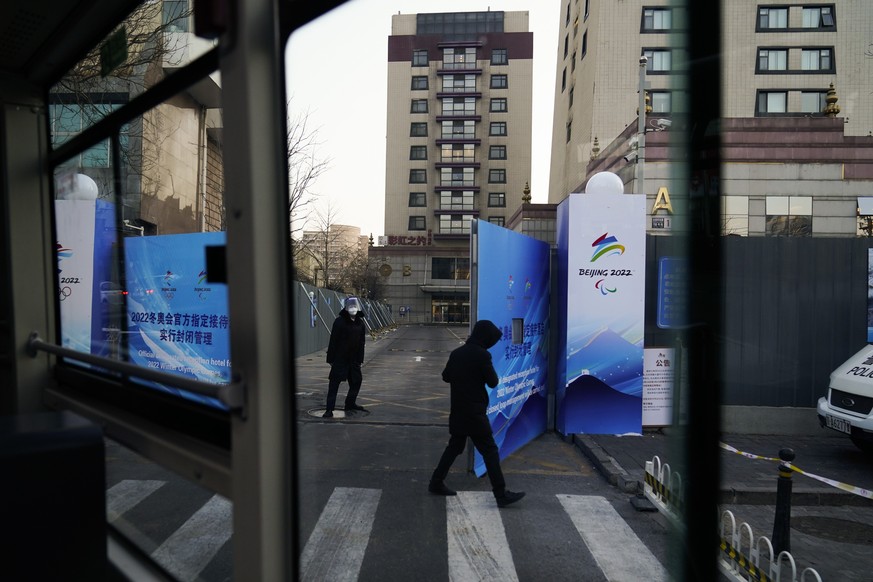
{"points": [[345, 354]]}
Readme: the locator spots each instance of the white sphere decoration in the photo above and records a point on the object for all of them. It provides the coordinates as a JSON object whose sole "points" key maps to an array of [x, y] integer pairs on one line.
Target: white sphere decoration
{"points": [[83, 188], [604, 183]]}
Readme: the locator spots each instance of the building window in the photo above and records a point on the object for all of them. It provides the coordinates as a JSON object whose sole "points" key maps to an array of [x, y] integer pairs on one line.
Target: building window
{"points": [[564, 80], [418, 152], [497, 199], [770, 18], [498, 105], [772, 60], [818, 59], [459, 83], [419, 58], [454, 224], [419, 82], [459, 106], [458, 129], [497, 128], [569, 130], [572, 92], [499, 81], [657, 19], [458, 153], [459, 58], [497, 176], [70, 119], [584, 45], [457, 176], [735, 215], [812, 101], [587, 8], [818, 17], [464, 200], [450, 268], [772, 102], [417, 223], [175, 15], [662, 101], [499, 56], [418, 129], [789, 216], [566, 45], [658, 60], [497, 152], [418, 106], [418, 176], [417, 199], [498, 220]]}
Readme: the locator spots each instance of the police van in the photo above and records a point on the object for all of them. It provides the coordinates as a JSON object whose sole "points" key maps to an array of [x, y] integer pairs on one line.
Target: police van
{"points": [[848, 407]]}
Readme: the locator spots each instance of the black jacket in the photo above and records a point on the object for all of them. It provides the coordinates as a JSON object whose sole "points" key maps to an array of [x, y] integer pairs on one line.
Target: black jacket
{"points": [[468, 370], [347, 337]]}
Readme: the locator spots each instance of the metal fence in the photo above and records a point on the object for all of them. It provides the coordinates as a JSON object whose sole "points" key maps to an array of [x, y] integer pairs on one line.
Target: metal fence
{"points": [[315, 309]]}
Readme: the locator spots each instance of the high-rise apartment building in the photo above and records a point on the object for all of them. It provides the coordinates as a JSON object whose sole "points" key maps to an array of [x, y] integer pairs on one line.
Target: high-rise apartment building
{"points": [[458, 147], [778, 60]]}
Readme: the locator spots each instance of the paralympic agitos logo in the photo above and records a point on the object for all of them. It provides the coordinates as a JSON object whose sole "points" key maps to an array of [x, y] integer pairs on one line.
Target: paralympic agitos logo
{"points": [[606, 245]]}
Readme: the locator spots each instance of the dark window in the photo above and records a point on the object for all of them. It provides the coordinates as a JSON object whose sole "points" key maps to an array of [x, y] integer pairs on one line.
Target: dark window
{"points": [[772, 59], [587, 7], [584, 45], [497, 152], [499, 82], [569, 130], [773, 18], [657, 19], [499, 57], [418, 106], [417, 223], [418, 152], [450, 268], [419, 82], [498, 220], [497, 199], [417, 176], [418, 129], [564, 80], [419, 58], [498, 105], [566, 45], [497, 176], [417, 199], [497, 128], [175, 15]]}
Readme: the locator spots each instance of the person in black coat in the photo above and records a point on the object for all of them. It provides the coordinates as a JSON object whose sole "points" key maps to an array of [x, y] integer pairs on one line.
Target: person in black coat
{"points": [[345, 354], [468, 370]]}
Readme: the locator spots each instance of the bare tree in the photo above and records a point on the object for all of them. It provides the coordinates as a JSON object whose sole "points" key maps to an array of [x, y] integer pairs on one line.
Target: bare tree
{"points": [[329, 250], [304, 168]]}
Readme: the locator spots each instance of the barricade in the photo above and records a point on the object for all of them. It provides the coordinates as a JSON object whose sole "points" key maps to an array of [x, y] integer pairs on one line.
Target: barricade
{"points": [[664, 488]]}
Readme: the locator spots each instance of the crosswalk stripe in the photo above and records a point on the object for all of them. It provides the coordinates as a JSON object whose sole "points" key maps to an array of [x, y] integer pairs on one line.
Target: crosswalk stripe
{"points": [[335, 550], [619, 553], [191, 547], [478, 549], [124, 495]]}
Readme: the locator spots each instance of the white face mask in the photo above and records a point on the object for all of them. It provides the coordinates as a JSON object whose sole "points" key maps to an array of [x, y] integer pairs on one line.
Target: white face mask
{"points": [[352, 311]]}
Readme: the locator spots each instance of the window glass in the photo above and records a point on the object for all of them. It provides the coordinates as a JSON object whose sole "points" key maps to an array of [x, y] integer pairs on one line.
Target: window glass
{"points": [[419, 106], [419, 82], [497, 128], [499, 82], [417, 152], [417, 222], [659, 60], [659, 19], [417, 199], [498, 57], [812, 101], [498, 105], [419, 58], [497, 152], [772, 60], [773, 18], [498, 220]]}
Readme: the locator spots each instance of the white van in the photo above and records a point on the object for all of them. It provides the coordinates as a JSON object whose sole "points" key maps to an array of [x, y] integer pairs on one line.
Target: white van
{"points": [[848, 407]]}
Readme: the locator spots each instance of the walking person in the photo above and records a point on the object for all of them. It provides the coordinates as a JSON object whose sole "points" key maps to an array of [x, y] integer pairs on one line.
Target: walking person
{"points": [[468, 370], [345, 354]]}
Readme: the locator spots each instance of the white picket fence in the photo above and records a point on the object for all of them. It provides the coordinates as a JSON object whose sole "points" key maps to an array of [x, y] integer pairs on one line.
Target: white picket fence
{"points": [[742, 556]]}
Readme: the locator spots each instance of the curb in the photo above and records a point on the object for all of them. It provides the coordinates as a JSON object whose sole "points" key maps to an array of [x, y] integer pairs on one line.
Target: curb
{"points": [[608, 466]]}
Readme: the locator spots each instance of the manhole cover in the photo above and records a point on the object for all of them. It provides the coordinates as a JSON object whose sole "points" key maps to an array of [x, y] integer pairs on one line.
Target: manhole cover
{"points": [[338, 413], [833, 529]]}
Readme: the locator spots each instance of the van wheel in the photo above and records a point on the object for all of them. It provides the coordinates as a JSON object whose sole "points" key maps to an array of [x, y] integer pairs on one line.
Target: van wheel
{"points": [[864, 445]]}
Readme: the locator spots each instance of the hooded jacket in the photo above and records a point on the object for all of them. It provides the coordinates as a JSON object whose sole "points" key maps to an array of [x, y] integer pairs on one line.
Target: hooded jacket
{"points": [[347, 338], [468, 371]]}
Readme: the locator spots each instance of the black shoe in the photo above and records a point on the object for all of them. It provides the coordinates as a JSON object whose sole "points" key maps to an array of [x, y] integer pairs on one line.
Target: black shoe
{"points": [[351, 407], [439, 488], [327, 414], [509, 497]]}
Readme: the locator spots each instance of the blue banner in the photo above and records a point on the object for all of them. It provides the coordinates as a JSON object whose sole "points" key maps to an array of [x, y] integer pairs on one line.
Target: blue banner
{"points": [[512, 288], [177, 321]]}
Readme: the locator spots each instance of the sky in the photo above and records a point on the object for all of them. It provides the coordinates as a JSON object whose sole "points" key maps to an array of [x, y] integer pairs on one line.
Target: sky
{"points": [[337, 76]]}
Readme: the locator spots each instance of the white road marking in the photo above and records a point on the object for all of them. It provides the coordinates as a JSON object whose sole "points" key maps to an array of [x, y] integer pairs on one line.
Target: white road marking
{"points": [[418, 358], [478, 549], [126, 494], [620, 554], [191, 547], [335, 550]]}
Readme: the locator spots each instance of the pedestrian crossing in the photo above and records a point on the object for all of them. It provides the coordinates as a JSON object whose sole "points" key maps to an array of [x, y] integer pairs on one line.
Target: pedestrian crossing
{"points": [[477, 546]]}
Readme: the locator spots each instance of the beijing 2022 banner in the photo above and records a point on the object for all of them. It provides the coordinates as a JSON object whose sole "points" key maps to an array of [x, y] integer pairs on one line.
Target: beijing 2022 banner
{"points": [[512, 290], [602, 242], [177, 321]]}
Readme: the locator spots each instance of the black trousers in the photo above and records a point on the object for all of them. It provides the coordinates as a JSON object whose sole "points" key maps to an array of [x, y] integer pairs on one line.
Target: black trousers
{"points": [[338, 373], [486, 446]]}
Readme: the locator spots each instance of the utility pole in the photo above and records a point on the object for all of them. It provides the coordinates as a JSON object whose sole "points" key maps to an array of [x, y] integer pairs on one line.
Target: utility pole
{"points": [[641, 130]]}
